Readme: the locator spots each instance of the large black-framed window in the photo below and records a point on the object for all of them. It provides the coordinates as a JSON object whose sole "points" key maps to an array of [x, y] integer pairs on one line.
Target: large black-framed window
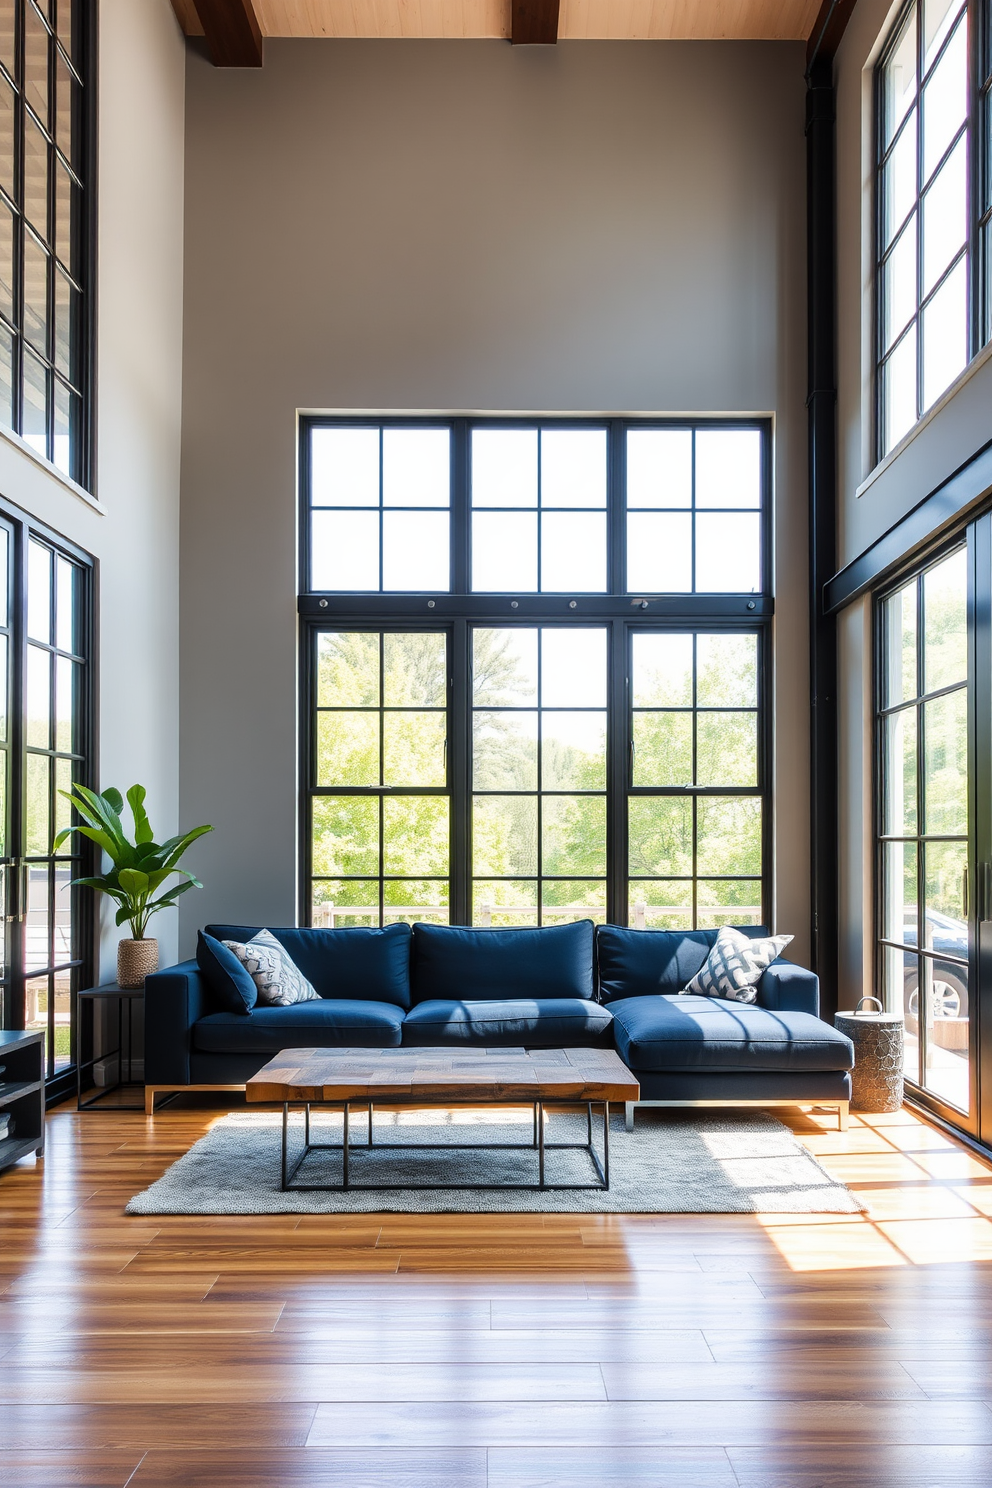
{"points": [[46, 939], [46, 227], [932, 235], [552, 750]]}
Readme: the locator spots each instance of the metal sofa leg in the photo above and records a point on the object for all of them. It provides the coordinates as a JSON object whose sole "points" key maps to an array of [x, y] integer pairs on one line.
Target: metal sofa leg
{"points": [[628, 1110]]}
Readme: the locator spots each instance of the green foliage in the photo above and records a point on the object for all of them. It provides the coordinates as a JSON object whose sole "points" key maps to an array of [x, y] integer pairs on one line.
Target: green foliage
{"points": [[384, 724], [140, 866]]}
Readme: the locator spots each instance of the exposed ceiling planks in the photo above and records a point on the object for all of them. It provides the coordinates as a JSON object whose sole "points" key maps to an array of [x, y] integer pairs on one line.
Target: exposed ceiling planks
{"points": [[534, 22], [591, 20]]}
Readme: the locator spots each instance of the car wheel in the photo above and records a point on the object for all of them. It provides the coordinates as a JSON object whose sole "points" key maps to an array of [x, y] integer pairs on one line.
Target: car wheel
{"points": [[950, 997]]}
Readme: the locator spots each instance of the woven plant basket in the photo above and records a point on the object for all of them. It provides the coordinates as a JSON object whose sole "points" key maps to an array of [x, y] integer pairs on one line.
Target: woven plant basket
{"points": [[136, 959]]}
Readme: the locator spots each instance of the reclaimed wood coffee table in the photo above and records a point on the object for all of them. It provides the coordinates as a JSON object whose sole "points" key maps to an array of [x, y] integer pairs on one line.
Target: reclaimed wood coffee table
{"points": [[442, 1077]]}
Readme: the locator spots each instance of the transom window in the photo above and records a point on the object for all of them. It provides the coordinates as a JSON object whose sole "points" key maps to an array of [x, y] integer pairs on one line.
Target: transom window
{"points": [[511, 507], [533, 672], [931, 223]]}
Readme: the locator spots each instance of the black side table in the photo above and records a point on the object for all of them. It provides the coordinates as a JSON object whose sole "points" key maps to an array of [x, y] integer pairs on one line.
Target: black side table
{"points": [[88, 1000], [22, 1094]]}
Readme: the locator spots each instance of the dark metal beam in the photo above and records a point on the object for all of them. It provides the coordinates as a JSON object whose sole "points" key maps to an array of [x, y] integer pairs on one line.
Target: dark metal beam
{"points": [[234, 38], [822, 411], [534, 23], [828, 28]]}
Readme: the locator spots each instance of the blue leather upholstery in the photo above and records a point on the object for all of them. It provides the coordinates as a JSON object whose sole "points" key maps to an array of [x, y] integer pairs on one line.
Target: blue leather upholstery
{"points": [[318, 1024], [677, 1033], [370, 965], [643, 963], [541, 1023], [451, 963]]}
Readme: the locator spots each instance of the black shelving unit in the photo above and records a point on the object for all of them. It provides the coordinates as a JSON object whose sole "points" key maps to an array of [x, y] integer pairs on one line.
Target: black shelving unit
{"points": [[22, 1094]]}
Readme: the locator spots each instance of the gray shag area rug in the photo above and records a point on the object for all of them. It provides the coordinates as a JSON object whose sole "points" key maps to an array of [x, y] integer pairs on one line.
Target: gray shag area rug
{"points": [[673, 1162]]}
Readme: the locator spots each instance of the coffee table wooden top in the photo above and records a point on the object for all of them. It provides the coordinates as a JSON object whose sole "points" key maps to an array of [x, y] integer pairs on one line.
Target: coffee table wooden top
{"points": [[458, 1074]]}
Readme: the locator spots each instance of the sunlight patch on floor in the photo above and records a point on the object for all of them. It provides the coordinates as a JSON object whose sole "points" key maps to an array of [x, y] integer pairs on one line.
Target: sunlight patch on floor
{"points": [[920, 1212], [830, 1247]]}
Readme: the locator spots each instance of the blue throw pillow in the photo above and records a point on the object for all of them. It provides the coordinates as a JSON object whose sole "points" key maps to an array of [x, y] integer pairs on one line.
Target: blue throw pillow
{"points": [[224, 975]]}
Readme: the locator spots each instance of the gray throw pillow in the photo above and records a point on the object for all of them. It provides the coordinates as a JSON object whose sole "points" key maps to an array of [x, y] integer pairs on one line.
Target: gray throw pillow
{"points": [[277, 977], [734, 966]]}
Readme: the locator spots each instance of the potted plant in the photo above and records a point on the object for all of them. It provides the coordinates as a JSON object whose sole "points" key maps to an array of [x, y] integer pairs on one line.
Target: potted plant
{"points": [[140, 868]]}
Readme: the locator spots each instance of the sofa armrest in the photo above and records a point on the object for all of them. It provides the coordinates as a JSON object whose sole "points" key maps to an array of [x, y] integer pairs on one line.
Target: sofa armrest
{"points": [[174, 999], [787, 988]]}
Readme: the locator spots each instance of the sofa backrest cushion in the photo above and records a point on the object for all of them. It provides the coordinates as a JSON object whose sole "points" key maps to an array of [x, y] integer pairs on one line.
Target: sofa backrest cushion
{"points": [[373, 965], [229, 982], [635, 963], [495, 965]]}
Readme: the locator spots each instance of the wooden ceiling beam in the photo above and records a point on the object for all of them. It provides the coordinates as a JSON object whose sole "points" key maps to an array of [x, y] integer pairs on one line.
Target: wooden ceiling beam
{"points": [[534, 22], [234, 37], [187, 17]]}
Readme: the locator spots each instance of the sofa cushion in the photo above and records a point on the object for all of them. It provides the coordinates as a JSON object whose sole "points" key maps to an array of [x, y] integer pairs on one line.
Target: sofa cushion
{"points": [[670, 1033], [538, 1023], [640, 963], [363, 965], [325, 1023], [451, 963], [227, 980]]}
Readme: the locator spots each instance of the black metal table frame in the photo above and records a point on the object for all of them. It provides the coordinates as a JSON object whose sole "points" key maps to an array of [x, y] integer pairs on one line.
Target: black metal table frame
{"points": [[539, 1144], [98, 1102]]}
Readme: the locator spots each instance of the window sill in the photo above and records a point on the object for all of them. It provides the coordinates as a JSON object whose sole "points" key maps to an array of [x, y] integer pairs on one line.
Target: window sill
{"points": [[52, 471], [949, 394]]}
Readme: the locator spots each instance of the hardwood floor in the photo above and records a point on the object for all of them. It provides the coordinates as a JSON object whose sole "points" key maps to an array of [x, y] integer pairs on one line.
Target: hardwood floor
{"points": [[495, 1351]]}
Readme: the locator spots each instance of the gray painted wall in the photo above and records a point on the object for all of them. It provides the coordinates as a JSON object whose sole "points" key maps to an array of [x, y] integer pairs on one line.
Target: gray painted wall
{"points": [[462, 226]]}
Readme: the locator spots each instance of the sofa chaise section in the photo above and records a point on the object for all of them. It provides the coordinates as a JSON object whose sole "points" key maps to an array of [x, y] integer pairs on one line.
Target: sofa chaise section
{"points": [[689, 1050]]}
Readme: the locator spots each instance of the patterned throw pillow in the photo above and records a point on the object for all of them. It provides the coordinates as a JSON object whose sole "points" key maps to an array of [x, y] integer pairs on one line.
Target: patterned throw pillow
{"points": [[733, 967], [278, 979]]}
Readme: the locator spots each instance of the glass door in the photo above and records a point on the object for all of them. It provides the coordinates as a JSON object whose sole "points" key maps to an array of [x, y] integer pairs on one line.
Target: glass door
{"points": [[8, 863], [44, 732], [53, 757], [926, 810]]}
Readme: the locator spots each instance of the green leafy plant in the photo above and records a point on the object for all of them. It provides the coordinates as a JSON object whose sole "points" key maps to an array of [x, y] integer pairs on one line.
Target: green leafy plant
{"points": [[141, 866]]}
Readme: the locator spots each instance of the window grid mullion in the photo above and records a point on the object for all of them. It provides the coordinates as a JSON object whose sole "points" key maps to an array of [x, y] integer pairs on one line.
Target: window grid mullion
{"points": [[618, 790]]}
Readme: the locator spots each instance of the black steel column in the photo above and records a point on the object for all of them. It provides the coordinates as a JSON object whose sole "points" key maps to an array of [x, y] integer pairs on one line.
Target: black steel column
{"points": [[822, 410]]}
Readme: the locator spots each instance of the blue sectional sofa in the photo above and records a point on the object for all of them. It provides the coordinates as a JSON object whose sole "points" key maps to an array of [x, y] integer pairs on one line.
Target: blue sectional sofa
{"points": [[563, 986]]}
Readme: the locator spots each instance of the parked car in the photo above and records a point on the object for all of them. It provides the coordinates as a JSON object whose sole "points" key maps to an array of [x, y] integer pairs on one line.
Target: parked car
{"points": [[950, 981]]}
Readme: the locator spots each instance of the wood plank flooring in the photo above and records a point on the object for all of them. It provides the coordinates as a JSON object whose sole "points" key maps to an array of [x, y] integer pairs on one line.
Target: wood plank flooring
{"points": [[495, 1351]]}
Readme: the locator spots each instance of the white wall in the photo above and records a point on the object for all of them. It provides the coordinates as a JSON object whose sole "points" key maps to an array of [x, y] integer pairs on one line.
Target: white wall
{"points": [[133, 533], [464, 226]]}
